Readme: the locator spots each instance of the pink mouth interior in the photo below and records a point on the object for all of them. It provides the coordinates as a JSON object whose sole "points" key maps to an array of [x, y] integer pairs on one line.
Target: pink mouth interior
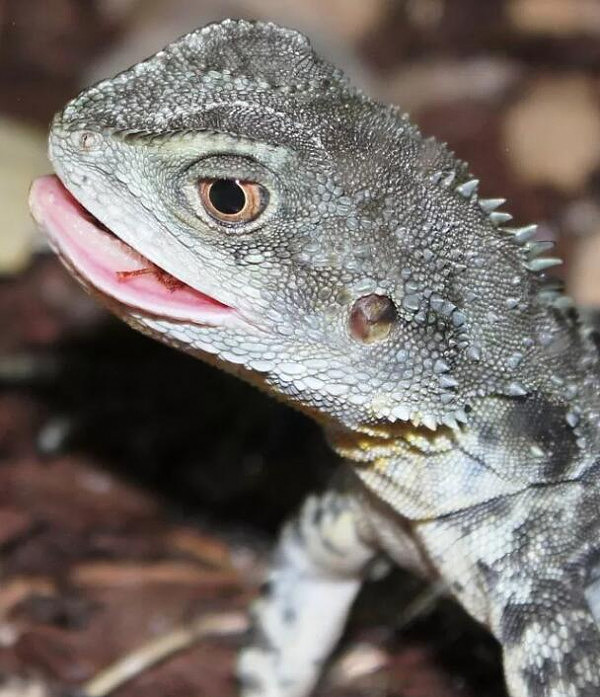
{"points": [[113, 267]]}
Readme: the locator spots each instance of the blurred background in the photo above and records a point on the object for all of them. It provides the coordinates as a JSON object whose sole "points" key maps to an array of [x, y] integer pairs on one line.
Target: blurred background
{"points": [[139, 488]]}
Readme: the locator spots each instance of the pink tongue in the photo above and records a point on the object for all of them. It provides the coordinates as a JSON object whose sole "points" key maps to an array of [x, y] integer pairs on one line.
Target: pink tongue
{"points": [[112, 266]]}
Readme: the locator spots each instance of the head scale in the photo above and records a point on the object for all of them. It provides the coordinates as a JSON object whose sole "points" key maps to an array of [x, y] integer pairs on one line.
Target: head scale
{"points": [[374, 284]]}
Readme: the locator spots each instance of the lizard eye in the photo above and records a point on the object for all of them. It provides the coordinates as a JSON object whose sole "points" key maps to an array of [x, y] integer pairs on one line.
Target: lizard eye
{"points": [[232, 200]]}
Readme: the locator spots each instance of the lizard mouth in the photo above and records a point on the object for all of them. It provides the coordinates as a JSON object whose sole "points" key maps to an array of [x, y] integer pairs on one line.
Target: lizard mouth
{"points": [[107, 264]]}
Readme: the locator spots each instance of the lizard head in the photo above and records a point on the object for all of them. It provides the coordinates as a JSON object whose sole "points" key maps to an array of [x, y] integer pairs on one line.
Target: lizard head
{"points": [[236, 197]]}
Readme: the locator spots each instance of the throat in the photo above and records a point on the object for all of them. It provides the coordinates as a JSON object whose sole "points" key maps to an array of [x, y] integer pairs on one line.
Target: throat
{"points": [[380, 443], [423, 475]]}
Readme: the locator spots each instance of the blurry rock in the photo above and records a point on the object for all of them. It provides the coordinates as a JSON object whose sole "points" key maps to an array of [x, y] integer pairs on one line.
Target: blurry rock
{"points": [[582, 217], [423, 28], [118, 11], [426, 14], [43, 48], [552, 135], [17, 687], [345, 20], [418, 85], [559, 17], [584, 271], [13, 524], [22, 157], [51, 37], [357, 661], [39, 307]]}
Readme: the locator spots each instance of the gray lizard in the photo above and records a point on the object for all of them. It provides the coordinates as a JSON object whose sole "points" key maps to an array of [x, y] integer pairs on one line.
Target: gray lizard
{"points": [[235, 197]]}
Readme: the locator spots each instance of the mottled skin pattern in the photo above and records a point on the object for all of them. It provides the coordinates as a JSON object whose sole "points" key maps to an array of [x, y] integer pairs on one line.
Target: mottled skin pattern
{"points": [[470, 425]]}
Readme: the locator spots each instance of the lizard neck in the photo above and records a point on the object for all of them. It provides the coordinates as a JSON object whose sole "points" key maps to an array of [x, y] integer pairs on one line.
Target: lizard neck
{"points": [[508, 445], [421, 474]]}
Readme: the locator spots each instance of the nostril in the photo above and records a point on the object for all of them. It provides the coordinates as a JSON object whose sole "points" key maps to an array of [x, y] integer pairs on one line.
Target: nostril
{"points": [[371, 318]]}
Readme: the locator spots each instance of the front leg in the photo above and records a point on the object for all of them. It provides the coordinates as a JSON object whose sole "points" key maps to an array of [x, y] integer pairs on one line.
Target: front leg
{"points": [[318, 567], [551, 644], [527, 567], [539, 566]]}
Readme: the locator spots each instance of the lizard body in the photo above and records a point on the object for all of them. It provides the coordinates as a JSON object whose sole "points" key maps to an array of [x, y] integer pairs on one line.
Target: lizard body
{"points": [[277, 222]]}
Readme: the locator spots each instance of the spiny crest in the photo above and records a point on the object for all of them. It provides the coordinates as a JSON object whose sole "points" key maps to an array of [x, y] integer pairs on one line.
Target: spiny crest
{"points": [[524, 236], [535, 259]]}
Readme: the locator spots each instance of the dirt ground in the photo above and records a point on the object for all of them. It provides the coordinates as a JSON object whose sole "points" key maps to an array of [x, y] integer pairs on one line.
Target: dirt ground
{"points": [[139, 489]]}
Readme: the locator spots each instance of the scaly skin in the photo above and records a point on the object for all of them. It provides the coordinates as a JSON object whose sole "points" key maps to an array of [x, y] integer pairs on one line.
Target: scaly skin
{"points": [[466, 399]]}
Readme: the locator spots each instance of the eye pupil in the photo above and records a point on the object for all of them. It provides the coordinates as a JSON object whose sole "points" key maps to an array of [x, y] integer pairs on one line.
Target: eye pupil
{"points": [[227, 196], [232, 202]]}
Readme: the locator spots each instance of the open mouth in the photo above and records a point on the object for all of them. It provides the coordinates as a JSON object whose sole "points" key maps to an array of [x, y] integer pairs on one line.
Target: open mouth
{"points": [[112, 267]]}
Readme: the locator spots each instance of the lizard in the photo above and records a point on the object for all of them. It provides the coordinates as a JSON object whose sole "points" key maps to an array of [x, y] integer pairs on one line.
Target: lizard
{"points": [[236, 197]]}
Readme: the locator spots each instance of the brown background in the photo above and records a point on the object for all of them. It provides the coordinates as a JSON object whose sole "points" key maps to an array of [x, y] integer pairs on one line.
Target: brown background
{"points": [[139, 489]]}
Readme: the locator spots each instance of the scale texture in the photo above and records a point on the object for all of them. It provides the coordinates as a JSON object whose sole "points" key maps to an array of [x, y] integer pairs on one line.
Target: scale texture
{"points": [[365, 282]]}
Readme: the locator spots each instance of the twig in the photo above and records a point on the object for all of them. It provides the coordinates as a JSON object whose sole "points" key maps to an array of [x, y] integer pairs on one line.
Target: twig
{"points": [[164, 646]]}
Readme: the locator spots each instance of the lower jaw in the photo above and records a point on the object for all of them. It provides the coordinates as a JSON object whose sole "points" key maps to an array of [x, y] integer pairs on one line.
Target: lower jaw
{"points": [[113, 269]]}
